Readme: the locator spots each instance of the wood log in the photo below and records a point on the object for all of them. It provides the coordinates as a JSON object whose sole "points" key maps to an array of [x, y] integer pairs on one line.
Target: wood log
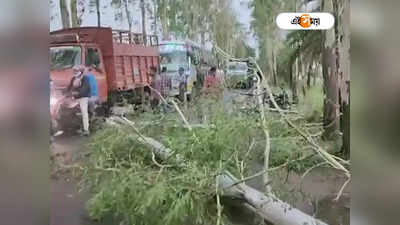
{"points": [[268, 207]]}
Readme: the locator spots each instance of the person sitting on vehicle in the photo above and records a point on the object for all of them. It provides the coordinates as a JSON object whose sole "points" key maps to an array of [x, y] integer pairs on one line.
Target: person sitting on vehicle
{"points": [[94, 91], [80, 89]]}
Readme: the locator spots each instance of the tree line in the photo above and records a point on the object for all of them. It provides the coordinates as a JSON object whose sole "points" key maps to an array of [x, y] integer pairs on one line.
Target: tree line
{"points": [[205, 21], [300, 57]]}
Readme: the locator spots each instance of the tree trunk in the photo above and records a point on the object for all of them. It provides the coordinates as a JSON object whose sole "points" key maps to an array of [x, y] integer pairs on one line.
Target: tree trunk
{"points": [[143, 9], [98, 13], [155, 13], [274, 69], [331, 78], [164, 20], [295, 97], [74, 13], [268, 207], [128, 15], [65, 19], [346, 127], [331, 90], [203, 37], [309, 75], [344, 72]]}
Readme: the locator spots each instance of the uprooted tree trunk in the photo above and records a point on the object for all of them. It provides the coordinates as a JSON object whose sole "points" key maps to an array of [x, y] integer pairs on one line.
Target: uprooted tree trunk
{"points": [[267, 207]]}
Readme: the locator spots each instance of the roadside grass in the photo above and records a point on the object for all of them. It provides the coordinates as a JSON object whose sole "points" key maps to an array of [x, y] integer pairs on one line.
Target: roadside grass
{"points": [[311, 105]]}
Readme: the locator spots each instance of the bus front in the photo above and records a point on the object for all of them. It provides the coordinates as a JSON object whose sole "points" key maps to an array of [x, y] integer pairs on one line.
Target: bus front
{"points": [[175, 55]]}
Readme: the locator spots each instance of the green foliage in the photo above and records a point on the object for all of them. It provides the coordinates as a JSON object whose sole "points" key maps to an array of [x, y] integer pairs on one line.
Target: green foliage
{"points": [[140, 193], [128, 185], [311, 105]]}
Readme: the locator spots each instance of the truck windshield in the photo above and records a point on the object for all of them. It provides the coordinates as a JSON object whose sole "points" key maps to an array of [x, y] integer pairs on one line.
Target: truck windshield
{"points": [[237, 67], [173, 56], [174, 60], [64, 57]]}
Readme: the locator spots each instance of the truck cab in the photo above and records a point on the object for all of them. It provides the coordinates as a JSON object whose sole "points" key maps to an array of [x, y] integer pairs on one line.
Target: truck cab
{"points": [[120, 60], [63, 56]]}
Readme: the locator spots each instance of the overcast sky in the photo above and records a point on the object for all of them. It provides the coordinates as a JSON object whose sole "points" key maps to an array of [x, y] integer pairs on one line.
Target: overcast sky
{"points": [[243, 13]]}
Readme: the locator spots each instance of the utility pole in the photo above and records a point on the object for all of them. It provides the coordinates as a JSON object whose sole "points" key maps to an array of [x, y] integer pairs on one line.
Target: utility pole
{"points": [[143, 21]]}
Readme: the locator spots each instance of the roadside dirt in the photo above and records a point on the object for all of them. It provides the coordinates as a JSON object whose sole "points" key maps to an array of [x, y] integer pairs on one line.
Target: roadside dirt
{"points": [[314, 194], [67, 203]]}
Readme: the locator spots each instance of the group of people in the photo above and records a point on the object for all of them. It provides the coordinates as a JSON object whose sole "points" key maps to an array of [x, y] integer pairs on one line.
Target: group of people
{"points": [[161, 85]]}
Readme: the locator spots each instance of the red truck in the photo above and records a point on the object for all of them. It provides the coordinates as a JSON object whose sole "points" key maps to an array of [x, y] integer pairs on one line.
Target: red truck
{"points": [[120, 60]]}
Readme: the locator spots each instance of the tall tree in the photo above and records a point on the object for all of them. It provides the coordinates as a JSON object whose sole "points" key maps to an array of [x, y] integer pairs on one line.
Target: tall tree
{"points": [[343, 30], [143, 11], [264, 12], [128, 14], [162, 11], [124, 5], [74, 13], [65, 17], [98, 13], [330, 76], [96, 5]]}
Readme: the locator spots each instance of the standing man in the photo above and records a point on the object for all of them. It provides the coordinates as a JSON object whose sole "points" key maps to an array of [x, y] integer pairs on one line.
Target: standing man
{"points": [[80, 89], [94, 91], [156, 88], [212, 84], [161, 84], [182, 84]]}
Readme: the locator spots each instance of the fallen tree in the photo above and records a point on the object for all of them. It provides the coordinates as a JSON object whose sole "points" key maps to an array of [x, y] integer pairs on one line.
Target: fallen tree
{"points": [[267, 206]]}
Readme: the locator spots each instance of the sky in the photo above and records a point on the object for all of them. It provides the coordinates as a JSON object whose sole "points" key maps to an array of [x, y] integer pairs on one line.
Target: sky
{"points": [[240, 7], [243, 13]]}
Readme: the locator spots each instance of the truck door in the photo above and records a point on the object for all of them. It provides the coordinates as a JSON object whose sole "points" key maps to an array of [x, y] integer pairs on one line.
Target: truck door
{"points": [[94, 60]]}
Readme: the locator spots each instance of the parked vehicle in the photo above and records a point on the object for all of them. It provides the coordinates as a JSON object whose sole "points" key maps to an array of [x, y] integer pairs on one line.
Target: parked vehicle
{"points": [[120, 61], [187, 55], [237, 75], [180, 54]]}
